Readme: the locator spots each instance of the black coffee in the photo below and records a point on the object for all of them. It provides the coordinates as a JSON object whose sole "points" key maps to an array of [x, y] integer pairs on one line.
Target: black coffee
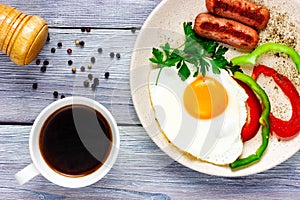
{"points": [[75, 140]]}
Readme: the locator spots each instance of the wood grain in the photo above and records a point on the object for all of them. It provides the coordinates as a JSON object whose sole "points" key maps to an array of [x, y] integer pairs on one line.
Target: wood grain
{"points": [[86, 13], [143, 171], [21, 103]]}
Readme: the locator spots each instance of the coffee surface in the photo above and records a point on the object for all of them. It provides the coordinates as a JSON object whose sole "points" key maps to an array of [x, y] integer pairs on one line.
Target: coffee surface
{"points": [[75, 140]]}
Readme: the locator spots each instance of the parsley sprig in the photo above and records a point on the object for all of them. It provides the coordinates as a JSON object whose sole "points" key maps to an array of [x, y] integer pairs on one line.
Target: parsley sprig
{"points": [[201, 53]]}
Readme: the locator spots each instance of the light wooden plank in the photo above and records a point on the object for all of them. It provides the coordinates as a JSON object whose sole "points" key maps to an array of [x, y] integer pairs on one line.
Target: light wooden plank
{"points": [[143, 171], [86, 13], [20, 103]]}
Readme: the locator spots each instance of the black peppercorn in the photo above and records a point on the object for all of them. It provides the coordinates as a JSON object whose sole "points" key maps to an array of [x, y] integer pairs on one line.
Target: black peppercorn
{"points": [[34, 86], [90, 76], [96, 81], [81, 43], [100, 50], [69, 51], [53, 50], [82, 29], [59, 44], [106, 75], [46, 62], [62, 96], [93, 86], [133, 29], [118, 55], [55, 94], [86, 83], [70, 62], [43, 69], [112, 54], [93, 60]]}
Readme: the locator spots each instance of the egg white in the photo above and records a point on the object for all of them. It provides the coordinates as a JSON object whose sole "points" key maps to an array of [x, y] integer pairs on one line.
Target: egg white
{"points": [[217, 140]]}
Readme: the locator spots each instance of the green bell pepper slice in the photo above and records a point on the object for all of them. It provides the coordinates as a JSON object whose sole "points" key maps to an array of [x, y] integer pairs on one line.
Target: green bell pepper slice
{"points": [[270, 46], [264, 121]]}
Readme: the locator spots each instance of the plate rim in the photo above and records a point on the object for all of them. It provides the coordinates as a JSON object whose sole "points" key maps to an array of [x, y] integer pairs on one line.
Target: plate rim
{"points": [[181, 160]]}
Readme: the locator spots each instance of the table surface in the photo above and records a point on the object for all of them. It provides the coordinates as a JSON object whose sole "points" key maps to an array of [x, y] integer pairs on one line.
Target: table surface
{"points": [[142, 170]]}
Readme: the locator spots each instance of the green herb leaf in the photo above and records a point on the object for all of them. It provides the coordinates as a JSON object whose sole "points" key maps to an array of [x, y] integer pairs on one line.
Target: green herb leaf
{"points": [[196, 72], [233, 68], [220, 62], [154, 60], [184, 71], [166, 48], [179, 64], [221, 51], [188, 30], [204, 66], [216, 69], [211, 46], [202, 53], [158, 55]]}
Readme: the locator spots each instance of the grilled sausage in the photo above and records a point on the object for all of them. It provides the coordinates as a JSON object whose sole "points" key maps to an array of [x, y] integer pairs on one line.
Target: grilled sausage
{"points": [[240, 10], [227, 31]]}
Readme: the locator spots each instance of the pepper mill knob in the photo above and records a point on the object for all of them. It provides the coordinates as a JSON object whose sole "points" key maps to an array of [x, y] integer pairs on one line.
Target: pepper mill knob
{"points": [[22, 36]]}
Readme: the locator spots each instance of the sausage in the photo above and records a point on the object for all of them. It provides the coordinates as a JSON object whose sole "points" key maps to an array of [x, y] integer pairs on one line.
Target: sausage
{"points": [[240, 10], [227, 31]]}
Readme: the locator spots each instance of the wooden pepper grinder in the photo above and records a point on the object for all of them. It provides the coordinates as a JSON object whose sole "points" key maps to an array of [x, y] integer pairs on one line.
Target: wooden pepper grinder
{"points": [[22, 37]]}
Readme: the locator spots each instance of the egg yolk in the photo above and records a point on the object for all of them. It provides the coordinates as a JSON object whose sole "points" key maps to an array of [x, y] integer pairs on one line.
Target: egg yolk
{"points": [[205, 98]]}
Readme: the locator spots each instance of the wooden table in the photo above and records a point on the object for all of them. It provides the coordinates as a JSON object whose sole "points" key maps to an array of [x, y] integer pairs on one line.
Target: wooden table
{"points": [[142, 170]]}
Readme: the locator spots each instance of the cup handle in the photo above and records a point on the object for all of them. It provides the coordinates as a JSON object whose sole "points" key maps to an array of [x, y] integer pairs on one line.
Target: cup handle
{"points": [[26, 174]]}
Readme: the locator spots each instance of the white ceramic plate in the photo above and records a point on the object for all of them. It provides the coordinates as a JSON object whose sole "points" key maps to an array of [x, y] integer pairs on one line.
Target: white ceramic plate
{"points": [[165, 25]]}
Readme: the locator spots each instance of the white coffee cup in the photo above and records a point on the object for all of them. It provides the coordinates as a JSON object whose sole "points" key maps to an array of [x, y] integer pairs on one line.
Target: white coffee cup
{"points": [[40, 166]]}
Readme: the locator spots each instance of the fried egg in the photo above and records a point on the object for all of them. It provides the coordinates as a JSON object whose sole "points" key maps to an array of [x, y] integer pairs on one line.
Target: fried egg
{"points": [[201, 116]]}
